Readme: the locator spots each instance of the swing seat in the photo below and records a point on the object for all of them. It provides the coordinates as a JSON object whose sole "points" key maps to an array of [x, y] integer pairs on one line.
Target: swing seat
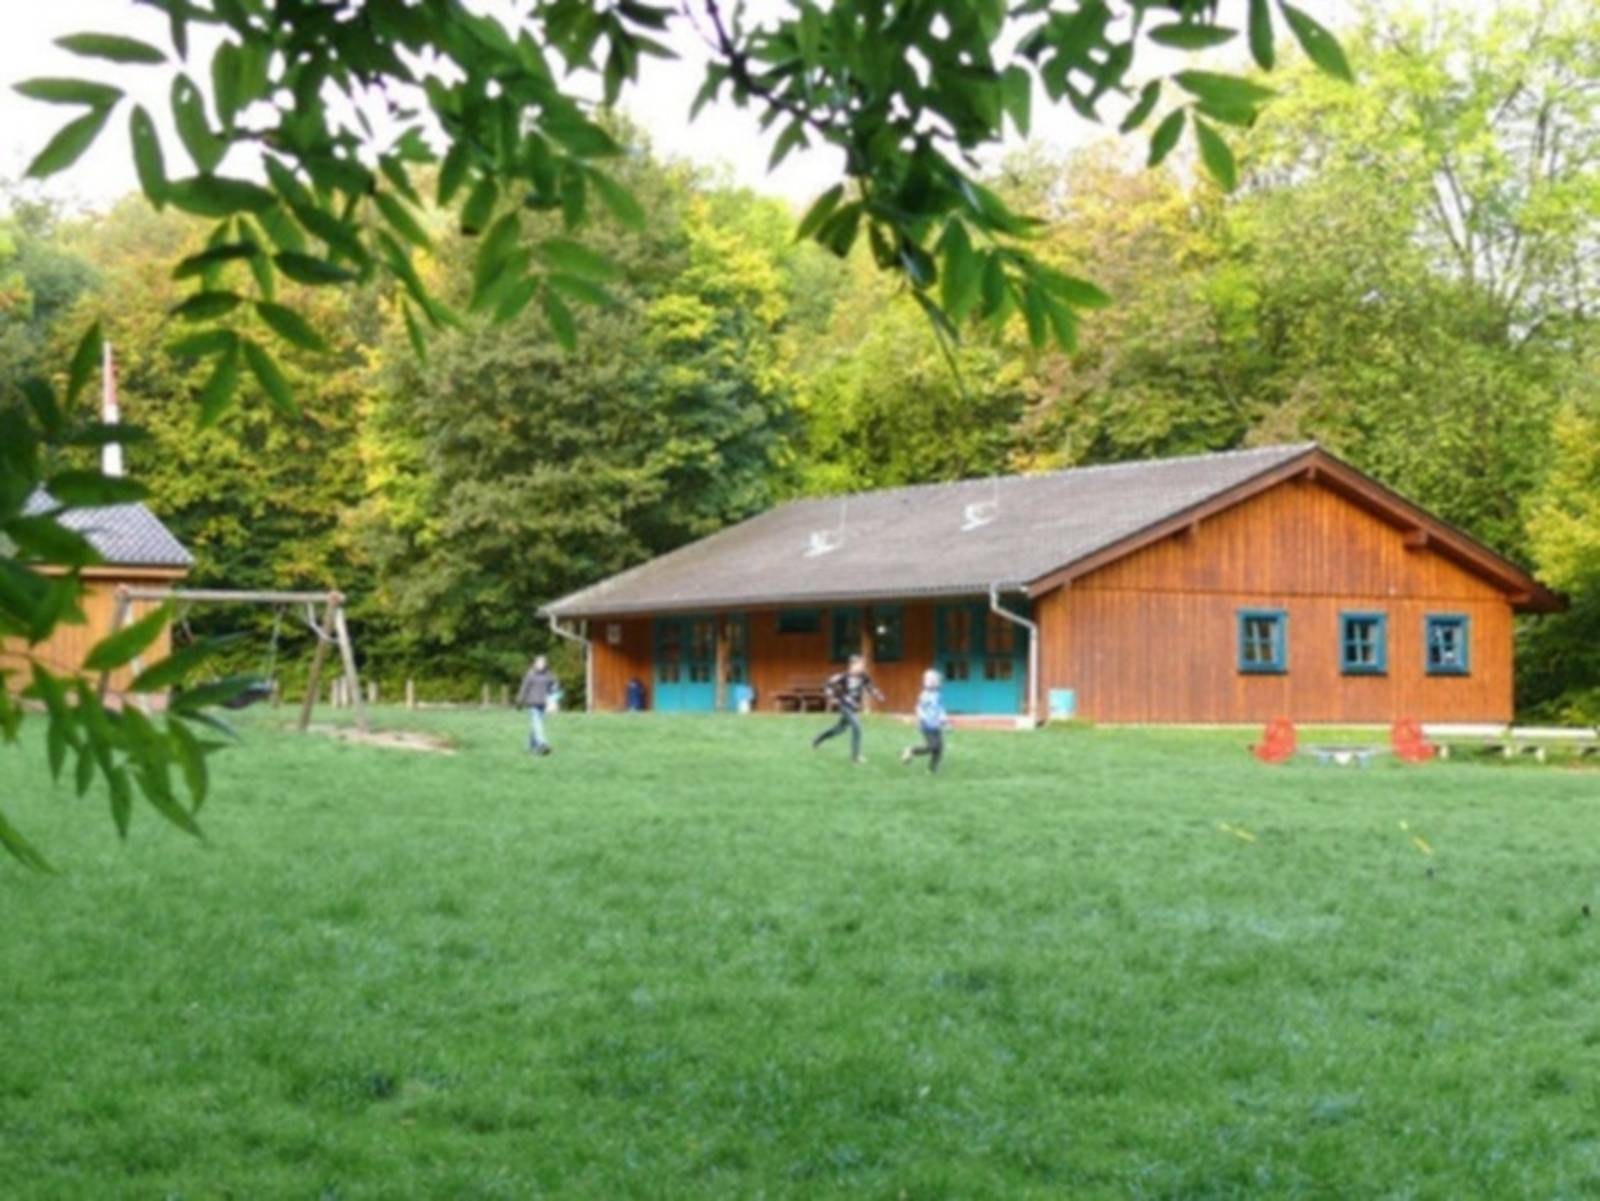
{"points": [[252, 693]]}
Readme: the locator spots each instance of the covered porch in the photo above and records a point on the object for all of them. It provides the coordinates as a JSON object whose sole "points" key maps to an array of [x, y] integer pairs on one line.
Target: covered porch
{"points": [[773, 657]]}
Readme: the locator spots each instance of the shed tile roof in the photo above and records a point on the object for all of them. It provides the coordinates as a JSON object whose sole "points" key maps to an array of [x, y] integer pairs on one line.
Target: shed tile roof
{"points": [[127, 535], [931, 539]]}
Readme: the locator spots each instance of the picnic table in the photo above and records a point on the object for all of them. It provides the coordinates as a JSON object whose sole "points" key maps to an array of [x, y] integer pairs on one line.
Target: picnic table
{"points": [[802, 694]]}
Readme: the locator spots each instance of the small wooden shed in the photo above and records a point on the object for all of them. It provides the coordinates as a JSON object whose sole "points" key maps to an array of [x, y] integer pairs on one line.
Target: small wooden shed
{"points": [[1218, 588], [137, 549]]}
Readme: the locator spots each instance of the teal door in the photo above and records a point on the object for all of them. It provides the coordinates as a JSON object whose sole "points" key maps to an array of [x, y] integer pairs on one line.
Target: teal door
{"points": [[686, 664], [983, 658]]}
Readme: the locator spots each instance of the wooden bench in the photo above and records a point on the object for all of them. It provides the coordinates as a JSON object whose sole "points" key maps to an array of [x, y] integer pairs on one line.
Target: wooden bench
{"points": [[802, 694]]}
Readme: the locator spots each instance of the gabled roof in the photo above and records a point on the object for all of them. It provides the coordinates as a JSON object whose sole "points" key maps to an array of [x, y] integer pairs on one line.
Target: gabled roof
{"points": [[1030, 533], [127, 535]]}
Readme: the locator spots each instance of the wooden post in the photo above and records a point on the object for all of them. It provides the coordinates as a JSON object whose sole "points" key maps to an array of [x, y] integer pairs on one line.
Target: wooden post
{"points": [[866, 651], [483, 702], [372, 692], [314, 679], [347, 653], [411, 693], [721, 702]]}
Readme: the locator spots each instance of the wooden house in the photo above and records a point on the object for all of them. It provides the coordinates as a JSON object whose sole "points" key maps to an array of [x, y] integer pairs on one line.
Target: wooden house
{"points": [[1219, 588], [136, 549]]}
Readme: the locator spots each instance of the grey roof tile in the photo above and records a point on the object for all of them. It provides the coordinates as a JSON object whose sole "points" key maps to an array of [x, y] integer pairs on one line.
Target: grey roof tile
{"points": [[128, 535], [930, 539]]}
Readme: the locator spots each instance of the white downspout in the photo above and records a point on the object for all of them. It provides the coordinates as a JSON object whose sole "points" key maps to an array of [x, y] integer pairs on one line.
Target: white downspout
{"points": [[1033, 649], [588, 660]]}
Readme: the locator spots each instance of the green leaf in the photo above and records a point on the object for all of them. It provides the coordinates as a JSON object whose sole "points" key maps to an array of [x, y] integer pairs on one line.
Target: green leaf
{"points": [[306, 269], [959, 281], [206, 306], [1321, 47], [189, 114], [478, 210], [1166, 136], [47, 541], [126, 644], [227, 82], [177, 667], [20, 849], [206, 342], [627, 211], [1217, 157], [581, 289], [271, 379], [217, 394], [575, 258], [1017, 92], [227, 252], [191, 757], [69, 143], [1079, 293], [291, 326], [90, 488], [1261, 34], [1143, 107], [400, 219], [147, 156], [85, 361], [821, 209], [1191, 35], [453, 172], [792, 138], [560, 318], [494, 253], [1226, 91], [419, 343], [218, 196], [1063, 325], [69, 91], [113, 47]]}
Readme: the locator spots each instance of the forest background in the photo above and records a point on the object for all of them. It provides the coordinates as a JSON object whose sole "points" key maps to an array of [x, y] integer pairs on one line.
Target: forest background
{"points": [[1408, 273]]}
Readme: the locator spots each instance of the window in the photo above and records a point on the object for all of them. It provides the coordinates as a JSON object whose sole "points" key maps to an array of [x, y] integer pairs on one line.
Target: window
{"points": [[846, 634], [1446, 640], [613, 633], [957, 631], [1363, 644], [1263, 640], [888, 635], [799, 621], [1000, 635]]}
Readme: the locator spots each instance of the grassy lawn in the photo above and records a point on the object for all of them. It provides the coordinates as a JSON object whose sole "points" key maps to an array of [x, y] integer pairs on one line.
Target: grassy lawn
{"points": [[687, 957]]}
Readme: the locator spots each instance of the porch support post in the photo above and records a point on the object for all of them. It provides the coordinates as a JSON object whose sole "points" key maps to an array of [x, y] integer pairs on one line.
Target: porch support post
{"points": [[721, 702]]}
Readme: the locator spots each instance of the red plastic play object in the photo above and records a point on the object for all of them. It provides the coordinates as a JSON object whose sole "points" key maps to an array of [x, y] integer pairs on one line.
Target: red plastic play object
{"points": [[1409, 744], [1277, 742]]}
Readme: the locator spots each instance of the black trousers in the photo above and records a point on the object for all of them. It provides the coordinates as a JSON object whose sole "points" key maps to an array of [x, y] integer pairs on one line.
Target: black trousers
{"points": [[849, 720], [932, 746]]}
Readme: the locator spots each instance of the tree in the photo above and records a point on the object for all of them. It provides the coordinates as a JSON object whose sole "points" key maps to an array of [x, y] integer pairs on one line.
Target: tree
{"points": [[345, 102]]}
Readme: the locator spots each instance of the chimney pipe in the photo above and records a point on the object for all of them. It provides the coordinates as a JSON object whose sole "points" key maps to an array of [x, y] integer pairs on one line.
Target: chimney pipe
{"points": [[111, 452]]}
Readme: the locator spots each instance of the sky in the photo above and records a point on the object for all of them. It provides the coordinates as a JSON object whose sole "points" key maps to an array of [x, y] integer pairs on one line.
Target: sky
{"points": [[722, 137]]}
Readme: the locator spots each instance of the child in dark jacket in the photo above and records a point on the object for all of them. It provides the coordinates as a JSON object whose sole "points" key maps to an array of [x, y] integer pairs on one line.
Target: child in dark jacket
{"points": [[538, 690], [849, 689]]}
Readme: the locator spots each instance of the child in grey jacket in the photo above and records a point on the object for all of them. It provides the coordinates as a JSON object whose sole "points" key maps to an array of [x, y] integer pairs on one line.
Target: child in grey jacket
{"points": [[539, 687]]}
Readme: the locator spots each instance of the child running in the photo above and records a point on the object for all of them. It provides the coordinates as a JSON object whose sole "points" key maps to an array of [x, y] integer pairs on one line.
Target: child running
{"points": [[932, 721], [848, 689], [539, 688]]}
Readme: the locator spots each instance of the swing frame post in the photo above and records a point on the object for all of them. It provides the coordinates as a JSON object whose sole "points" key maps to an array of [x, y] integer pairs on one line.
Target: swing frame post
{"points": [[334, 630]]}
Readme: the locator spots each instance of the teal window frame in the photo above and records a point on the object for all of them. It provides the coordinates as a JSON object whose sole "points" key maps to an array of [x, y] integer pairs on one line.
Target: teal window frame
{"points": [[1278, 664], [1463, 625], [844, 634], [799, 621], [888, 646], [1350, 644]]}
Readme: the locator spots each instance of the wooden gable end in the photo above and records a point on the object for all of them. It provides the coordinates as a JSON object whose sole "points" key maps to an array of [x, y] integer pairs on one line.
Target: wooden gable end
{"points": [[1153, 636]]}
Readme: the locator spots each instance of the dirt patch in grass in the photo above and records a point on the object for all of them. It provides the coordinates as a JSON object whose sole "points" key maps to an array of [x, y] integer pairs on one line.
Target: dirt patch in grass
{"points": [[394, 740]]}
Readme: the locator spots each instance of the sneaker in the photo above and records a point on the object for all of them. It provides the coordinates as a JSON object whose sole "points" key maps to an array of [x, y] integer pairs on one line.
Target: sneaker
{"points": [[905, 755], [859, 759]]}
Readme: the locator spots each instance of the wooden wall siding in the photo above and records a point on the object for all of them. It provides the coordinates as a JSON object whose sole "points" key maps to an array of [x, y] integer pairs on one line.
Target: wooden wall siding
{"points": [[1153, 638], [614, 666], [69, 646]]}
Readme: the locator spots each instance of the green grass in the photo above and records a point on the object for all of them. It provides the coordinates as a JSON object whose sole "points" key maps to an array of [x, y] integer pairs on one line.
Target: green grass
{"points": [[689, 958]]}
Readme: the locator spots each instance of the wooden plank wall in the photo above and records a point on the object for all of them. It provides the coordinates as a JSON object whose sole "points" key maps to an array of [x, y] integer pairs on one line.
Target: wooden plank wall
{"points": [[1153, 637], [67, 648], [615, 665]]}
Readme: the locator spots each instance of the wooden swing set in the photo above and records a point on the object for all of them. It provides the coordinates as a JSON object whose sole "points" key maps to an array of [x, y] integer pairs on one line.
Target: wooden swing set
{"points": [[330, 630]]}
